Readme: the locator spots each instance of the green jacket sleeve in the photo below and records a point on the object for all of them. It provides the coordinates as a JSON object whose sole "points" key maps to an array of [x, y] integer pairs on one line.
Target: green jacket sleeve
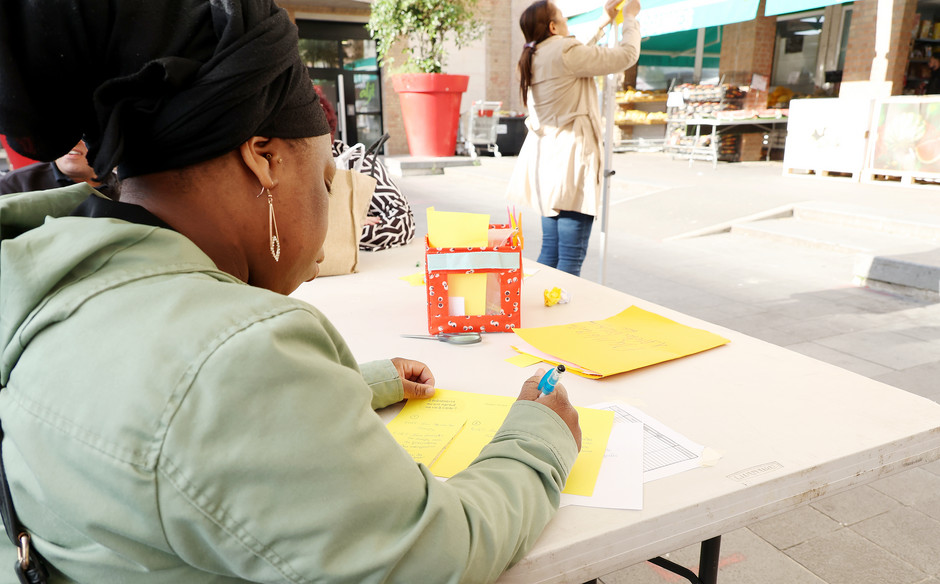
{"points": [[384, 382], [275, 468]]}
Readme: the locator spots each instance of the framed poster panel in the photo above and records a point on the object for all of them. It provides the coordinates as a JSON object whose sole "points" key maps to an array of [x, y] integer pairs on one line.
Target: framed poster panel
{"points": [[828, 135], [905, 138]]}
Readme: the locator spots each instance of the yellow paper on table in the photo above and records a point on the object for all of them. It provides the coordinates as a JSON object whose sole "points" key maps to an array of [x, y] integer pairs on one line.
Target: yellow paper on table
{"points": [[426, 432], [481, 417], [629, 340]]}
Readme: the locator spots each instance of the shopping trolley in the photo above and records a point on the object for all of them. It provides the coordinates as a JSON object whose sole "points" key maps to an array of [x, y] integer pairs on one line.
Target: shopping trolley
{"points": [[482, 123]]}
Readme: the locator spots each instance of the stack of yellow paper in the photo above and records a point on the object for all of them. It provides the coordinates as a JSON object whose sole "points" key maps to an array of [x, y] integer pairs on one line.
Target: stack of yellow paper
{"points": [[629, 340], [447, 432]]}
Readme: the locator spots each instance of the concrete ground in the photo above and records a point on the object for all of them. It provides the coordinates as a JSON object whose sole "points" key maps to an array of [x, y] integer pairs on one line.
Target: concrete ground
{"points": [[799, 297]]}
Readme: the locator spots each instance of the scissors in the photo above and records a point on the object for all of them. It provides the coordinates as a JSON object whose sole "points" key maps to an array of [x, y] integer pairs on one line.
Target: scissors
{"points": [[453, 338]]}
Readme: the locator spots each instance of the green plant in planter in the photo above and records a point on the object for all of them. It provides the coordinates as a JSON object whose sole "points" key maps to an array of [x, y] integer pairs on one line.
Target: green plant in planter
{"points": [[426, 24]]}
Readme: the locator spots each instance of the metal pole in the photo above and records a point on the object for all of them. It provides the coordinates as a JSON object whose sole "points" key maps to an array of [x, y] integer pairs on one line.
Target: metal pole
{"points": [[608, 159]]}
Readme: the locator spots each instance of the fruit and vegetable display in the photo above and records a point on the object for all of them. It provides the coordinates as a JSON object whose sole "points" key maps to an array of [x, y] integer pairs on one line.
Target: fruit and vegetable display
{"points": [[633, 116], [706, 101]]}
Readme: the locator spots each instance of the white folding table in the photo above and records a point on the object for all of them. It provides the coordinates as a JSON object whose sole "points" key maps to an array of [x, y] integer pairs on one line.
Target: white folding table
{"points": [[786, 429]]}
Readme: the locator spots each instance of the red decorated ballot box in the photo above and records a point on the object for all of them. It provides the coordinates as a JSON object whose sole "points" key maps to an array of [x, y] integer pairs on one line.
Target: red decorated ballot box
{"points": [[475, 289]]}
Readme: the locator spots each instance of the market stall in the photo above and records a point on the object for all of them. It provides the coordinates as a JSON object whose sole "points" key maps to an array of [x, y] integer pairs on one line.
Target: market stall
{"points": [[711, 122]]}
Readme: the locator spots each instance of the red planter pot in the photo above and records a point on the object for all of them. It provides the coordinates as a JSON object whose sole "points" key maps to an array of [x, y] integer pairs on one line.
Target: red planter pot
{"points": [[16, 159], [430, 108]]}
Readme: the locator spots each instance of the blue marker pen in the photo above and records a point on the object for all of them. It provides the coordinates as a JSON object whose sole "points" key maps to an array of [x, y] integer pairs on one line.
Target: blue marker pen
{"points": [[548, 381]]}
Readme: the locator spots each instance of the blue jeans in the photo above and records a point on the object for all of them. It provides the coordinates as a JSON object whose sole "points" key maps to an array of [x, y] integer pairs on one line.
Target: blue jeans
{"points": [[565, 241]]}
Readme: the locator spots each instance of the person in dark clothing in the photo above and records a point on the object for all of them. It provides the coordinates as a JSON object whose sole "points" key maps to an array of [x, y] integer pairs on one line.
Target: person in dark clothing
{"points": [[62, 172], [933, 82]]}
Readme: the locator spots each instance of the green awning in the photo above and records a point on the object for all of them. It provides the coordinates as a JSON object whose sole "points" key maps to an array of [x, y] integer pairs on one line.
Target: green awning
{"points": [[775, 7], [677, 49]]}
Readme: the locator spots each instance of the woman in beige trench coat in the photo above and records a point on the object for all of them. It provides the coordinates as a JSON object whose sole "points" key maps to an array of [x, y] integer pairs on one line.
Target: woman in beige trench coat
{"points": [[558, 172]]}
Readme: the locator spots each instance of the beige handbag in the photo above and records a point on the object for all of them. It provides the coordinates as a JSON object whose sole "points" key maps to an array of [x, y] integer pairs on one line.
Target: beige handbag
{"points": [[350, 196]]}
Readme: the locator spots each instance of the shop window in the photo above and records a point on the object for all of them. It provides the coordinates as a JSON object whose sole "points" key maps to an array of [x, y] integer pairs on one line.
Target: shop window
{"points": [[341, 58], [844, 37], [319, 54], [797, 51]]}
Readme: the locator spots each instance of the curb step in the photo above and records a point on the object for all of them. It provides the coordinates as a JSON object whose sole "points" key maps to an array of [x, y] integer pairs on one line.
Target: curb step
{"points": [[896, 252], [422, 165], [923, 226]]}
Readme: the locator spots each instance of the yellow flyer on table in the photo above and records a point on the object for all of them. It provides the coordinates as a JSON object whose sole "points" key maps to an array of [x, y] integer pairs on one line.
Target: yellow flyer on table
{"points": [[448, 431], [629, 340]]}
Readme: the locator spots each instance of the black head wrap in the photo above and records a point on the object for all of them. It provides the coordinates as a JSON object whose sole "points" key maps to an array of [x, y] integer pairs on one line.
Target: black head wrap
{"points": [[150, 85]]}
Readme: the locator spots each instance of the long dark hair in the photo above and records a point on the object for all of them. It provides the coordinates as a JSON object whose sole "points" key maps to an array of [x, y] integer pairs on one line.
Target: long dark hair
{"points": [[534, 23]]}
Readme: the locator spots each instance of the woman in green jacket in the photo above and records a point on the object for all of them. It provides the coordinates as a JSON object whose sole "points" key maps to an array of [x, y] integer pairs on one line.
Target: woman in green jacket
{"points": [[170, 416]]}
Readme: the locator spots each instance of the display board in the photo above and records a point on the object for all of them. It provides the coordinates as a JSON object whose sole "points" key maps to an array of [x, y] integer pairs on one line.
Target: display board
{"points": [[827, 135], [905, 138]]}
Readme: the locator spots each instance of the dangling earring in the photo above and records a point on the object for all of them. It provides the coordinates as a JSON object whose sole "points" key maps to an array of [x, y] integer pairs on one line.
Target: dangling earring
{"points": [[275, 242]]}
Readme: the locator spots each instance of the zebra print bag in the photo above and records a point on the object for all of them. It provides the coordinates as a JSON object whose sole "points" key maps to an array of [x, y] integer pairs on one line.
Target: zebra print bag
{"points": [[396, 225]]}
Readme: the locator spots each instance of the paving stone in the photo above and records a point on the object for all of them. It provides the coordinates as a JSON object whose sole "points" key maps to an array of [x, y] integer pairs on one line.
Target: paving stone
{"points": [[845, 557], [910, 487], [794, 527], [907, 533], [803, 307], [920, 379], [855, 505], [886, 348], [933, 467], [745, 559], [821, 327]]}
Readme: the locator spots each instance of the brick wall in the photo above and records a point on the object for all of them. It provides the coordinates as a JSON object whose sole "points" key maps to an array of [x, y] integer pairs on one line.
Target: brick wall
{"points": [[497, 16], [861, 47], [391, 108], [902, 26], [747, 48]]}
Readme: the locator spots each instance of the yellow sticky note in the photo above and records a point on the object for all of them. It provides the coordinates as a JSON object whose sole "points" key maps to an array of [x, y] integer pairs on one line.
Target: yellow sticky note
{"points": [[421, 432], [524, 360], [449, 229], [629, 340]]}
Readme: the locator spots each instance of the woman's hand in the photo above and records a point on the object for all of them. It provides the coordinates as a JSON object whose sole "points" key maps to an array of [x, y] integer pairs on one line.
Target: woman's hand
{"points": [[631, 8], [557, 400], [611, 8], [417, 379]]}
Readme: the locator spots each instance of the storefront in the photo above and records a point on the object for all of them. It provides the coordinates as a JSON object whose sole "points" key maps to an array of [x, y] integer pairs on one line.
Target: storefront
{"points": [[925, 44], [341, 58], [809, 51]]}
